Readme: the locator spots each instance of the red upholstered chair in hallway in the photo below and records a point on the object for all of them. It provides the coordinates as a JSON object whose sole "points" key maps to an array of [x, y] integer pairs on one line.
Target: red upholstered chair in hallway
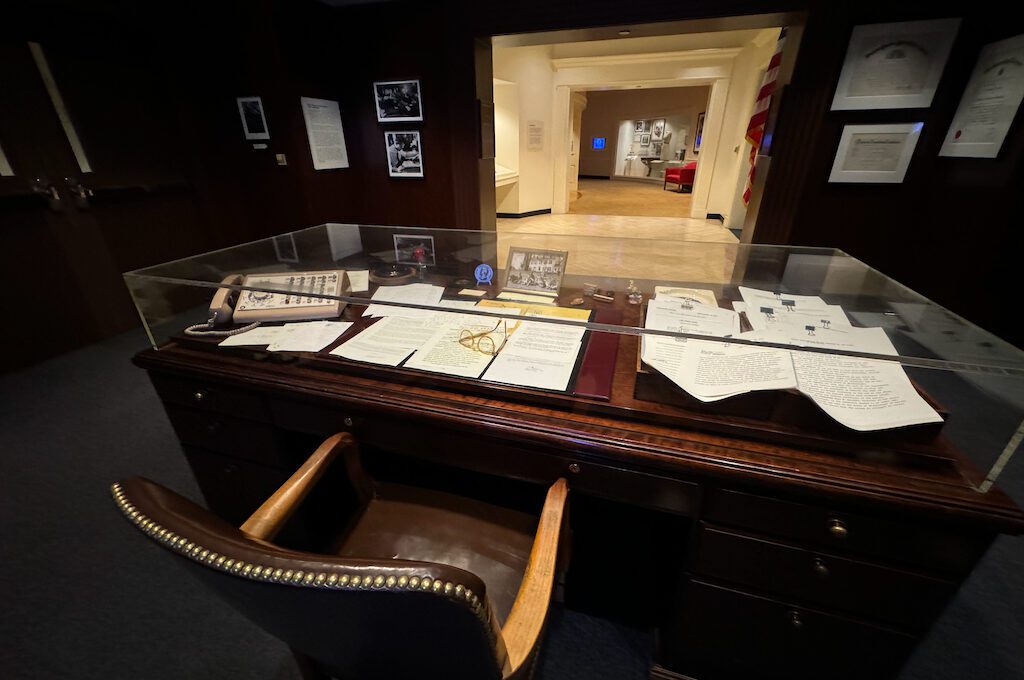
{"points": [[681, 175]]}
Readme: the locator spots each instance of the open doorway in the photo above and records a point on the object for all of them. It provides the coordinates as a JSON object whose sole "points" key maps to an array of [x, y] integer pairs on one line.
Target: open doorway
{"points": [[593, 123], [638, 151]]}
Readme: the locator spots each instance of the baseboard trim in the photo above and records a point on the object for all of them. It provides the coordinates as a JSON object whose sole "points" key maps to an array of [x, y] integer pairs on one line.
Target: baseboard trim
{"points": [[595, 177], [532, 213]]}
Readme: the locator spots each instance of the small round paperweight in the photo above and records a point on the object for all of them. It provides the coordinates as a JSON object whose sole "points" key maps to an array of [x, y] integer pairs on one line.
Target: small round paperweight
{"points": [[392, 274]]}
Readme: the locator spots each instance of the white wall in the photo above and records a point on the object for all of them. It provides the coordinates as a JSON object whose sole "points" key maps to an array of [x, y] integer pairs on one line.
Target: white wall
{"points": [[506, 142], [732, 159], [607, 109], [530, 69]]}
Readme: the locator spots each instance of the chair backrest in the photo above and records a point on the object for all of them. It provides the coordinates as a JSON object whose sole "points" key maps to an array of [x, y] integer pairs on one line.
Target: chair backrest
{"points": [[357, 618]]}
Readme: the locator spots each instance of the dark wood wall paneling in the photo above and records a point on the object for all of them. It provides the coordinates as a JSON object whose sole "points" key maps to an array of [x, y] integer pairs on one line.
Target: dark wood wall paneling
{"points": [[949, 230], [282, 51]]}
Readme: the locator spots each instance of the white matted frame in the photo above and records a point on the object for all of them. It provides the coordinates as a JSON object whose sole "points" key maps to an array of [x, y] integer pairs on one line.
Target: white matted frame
{"points": [[875, 154], [894, 66], [404, 153], [254, 119], [398, 101]]}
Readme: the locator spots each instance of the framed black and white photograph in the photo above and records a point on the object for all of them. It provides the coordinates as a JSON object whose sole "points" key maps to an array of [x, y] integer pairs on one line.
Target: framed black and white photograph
{"points": [[530, 270], [398, 101], [873, 154], [658, 130], [700, 132], [645, 140], [254, 122], [405, 156], [414, 249], [656, 149], [638, 126], [894, 66]]}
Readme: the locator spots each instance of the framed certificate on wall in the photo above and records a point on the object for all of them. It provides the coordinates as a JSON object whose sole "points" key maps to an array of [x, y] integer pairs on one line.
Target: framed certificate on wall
{"points": [[870, 154]]}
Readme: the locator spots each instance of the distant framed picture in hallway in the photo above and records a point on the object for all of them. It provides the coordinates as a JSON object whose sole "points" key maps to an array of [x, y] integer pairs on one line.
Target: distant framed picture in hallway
{"points": [[699, 133], [645, 140], [638, 126], [658, 130]]}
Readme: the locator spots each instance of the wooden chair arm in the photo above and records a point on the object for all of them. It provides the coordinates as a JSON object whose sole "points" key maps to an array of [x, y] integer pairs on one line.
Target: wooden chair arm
{"points": [[526, 619], [270, 517]]}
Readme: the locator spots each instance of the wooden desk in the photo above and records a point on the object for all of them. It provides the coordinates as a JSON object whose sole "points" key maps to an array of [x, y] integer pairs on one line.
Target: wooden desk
{"points": [[751, 559]]}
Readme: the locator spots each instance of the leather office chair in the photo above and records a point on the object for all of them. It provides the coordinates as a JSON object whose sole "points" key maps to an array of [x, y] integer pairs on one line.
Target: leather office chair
{"points": [[423, 584]]}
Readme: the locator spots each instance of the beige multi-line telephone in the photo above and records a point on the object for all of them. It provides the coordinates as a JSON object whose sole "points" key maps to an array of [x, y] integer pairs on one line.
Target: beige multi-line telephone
{"points": [[301, 297]]}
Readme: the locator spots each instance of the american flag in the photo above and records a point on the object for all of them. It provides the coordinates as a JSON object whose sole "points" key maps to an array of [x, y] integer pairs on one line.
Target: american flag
{"points": [[755, 128]]}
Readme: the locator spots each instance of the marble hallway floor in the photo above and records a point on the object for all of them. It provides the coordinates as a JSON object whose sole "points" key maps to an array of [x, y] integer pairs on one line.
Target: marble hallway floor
{"points": [[643, 248], [624, 197]]}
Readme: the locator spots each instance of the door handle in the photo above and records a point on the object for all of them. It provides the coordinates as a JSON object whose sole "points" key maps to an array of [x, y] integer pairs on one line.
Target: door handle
{"points": [[79, 192], [43, 188]]}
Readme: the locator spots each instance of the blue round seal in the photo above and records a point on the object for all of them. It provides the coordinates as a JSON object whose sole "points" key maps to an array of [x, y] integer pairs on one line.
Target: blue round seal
{"points": [[484, 274]]}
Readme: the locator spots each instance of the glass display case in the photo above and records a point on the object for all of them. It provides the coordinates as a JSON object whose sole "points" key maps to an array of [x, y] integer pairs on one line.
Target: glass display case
{"points": [[808, 347]]}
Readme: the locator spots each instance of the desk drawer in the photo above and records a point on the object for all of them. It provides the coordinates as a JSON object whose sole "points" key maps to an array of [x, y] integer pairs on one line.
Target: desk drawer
{"points": [[243, 439], [507, 458], [233, 488], [873, 591], [726, 633], [209, 396], [834, 530]]}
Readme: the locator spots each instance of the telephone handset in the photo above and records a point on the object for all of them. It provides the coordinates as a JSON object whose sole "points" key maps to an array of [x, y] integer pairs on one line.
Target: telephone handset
{"points": [[300, 298]]}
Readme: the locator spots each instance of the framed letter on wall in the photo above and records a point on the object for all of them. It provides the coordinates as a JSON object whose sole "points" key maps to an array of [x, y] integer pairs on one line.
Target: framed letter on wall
{"points": [[894, 66], [872, 154]]}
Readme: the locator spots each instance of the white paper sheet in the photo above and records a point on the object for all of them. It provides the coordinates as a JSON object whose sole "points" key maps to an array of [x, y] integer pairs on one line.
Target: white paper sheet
{"points": [[457, 304], [473, 293], [443, 353], [766, 317], [312, 336], [325, 134], [710, 371], [525, 297], [681, 316], [389, 341], [261, 335], [862, 394], [701, 295], [359, 280], [413, 293], [541, 355], [756, 298]]}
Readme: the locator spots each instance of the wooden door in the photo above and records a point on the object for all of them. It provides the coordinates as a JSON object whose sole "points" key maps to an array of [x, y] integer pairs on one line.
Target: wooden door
{"points": [[98, 187]]}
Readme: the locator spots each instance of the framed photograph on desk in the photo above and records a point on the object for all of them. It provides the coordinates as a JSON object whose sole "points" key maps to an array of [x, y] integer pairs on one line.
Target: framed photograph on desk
{"points": [[530, 270]]}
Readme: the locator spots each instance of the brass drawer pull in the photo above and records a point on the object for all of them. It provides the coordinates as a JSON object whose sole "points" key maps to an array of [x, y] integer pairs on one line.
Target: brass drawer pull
{"points": [[574, 468], [819, 567], [200, 395], [795, 619], [837, 529]]}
